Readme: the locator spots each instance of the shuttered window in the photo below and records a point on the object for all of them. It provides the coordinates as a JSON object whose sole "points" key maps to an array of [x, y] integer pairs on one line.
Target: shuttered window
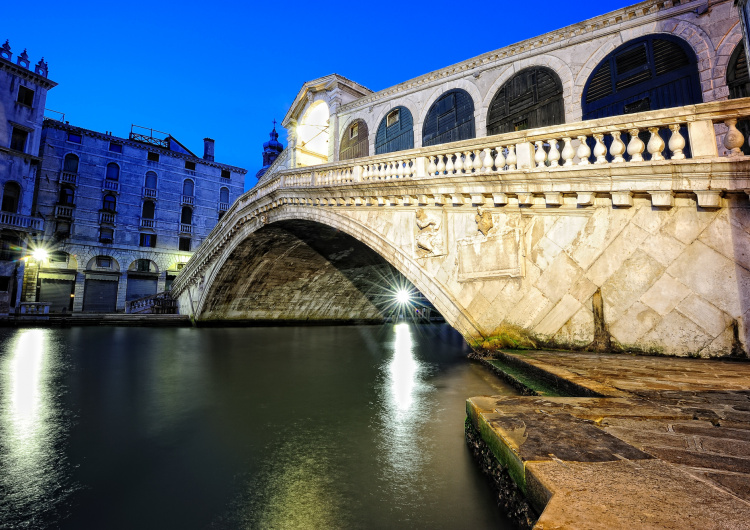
{"points": [[450, 119], [100, 296], [532, 98], [354, 141], [395, 132], [649, 73], [56, 293]]}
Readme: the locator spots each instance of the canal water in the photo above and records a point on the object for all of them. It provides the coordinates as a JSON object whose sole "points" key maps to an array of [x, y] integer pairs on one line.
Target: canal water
{"points": [[298, 427]]}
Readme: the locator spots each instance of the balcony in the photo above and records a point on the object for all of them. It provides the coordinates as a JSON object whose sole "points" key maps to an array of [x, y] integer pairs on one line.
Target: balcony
{"points": [[186, 229], [63, 211], [67, 177], [150, 193], [23, 222], [107, 218], [223, 206], [188, 200], [111, 185], [148, 223]]}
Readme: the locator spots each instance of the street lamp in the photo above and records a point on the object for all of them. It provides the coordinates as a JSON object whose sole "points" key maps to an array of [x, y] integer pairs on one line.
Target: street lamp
{"points": [[40, 254]]}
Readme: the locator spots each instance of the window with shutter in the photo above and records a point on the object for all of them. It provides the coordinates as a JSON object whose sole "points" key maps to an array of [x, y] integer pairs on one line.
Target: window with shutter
{"points": [[395, 132], [355, 141], [450, 119]]}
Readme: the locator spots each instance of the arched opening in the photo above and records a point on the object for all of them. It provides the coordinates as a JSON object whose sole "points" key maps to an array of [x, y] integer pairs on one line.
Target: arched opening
{"points": [[224, 195], [186, 215], [738, 81], [450, 119], [109, 203], [151, 180], [56, 281], [312, 135], [143, 275], [395, 132], [11, 197], [530, 99], [70, 163], [318, 273], [113, 171], [648, 73], [355, 141], [100, 288], [188, 188], [66, 196], [148, 210]]}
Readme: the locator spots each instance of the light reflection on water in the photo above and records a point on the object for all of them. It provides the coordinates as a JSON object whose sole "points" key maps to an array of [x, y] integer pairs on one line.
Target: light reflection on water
{"points": [[288, 428], [30, 426]]}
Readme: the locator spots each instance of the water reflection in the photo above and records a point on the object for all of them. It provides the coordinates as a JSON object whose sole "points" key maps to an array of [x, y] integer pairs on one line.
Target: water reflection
{"points": [[29, 426]]}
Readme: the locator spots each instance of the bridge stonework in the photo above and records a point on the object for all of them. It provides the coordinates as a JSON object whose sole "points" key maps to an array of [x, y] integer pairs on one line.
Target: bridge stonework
{"points": [[637, 255]]}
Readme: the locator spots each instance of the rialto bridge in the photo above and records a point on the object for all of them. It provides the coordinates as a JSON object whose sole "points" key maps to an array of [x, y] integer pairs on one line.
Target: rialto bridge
{"points": [[584, 188]]}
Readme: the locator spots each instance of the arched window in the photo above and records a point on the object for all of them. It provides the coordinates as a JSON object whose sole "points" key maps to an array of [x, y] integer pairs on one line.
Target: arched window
{"points": [[151, 180], [647, 73], [149, 208], [188, 188], [109, 203], [66, 195], [355, 141], [70, 164], [224, 195], [395, 132], [738, 82], [113, 171], [450, 119], [186, 216], [11, 196], [530, 99]]}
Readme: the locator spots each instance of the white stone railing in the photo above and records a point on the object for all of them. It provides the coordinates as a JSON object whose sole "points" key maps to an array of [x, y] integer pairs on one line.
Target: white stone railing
{"points": [[186, 228], [16, 220], [68, 177], [111, 185], [223, 206], [107, 217], [150, 193], [187, 199], [548, 155], [148, 223], [64, 211]]}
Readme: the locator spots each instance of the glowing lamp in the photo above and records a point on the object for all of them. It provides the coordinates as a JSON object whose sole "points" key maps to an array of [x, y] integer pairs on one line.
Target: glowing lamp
{"points": [[40, 254], [403, 296]]}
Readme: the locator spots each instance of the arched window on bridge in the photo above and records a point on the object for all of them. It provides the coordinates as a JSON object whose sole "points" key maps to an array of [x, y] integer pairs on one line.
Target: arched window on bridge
{"points": [[738, 81], [450, 119], [355, 141], [530, 99], [70, 164], [113, 171], [188, 188], [186, 215], [149, 210], [395, 132]]}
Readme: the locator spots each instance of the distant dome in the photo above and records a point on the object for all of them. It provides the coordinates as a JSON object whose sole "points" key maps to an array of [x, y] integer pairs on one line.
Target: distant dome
{"points": [[271, 150]]}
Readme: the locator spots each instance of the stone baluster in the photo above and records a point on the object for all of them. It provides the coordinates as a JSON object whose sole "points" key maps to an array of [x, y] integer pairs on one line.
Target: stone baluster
{"points": [[400, 169], [441, 165], [449, 166], [554, 154], [468, 164], [568, 153], [635, 146], [366, 172], [676, 142], [600, 150], [617, 149], [541, 155], [383, 170], [734, 139], [584, 151], [655, 144], [477, 164], [432, 167], [458, 166], [486, 160], [499, 158], [511, 159]]}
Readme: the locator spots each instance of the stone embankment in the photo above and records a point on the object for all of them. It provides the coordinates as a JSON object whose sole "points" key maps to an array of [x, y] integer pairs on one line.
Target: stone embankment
{"points": [[619, 441], [97, 319]]}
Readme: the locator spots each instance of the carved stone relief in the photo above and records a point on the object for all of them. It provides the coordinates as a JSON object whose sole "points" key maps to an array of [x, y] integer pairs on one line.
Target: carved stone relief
{"points": [[494, 252], [430, 234]]}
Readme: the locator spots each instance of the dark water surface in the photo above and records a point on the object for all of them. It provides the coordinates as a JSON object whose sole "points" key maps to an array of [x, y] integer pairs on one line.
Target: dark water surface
{"points": [[304, 427]]}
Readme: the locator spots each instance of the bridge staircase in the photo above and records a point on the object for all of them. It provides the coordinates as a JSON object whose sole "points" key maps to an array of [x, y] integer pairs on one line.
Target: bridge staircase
{"points": [[156, 304]]}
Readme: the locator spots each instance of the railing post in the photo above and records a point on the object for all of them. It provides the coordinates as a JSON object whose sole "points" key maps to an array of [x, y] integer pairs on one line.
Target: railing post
{"points": [[525, 154], [357, 173], [313, 178], [419, 167], [702, 139]]}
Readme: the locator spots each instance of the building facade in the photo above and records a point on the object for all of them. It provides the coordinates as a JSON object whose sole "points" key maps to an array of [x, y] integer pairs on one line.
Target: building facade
{"points": [[121, 215], [24, 93]]}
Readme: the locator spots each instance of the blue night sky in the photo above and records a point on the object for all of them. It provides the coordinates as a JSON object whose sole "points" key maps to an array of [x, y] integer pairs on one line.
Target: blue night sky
{"points": [[227, 69]]}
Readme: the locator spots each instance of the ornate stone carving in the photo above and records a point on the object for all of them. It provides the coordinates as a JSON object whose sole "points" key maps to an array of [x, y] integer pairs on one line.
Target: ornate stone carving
{"points": [[429, 236], [484, 221]]}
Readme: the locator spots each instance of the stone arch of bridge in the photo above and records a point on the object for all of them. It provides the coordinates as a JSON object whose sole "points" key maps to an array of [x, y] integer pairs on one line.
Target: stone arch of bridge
{"points": [[400, 260]]}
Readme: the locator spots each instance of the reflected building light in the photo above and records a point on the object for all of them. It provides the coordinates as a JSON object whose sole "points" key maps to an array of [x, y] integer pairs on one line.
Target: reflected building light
{"points": [[403, 369], [26, 366]]}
